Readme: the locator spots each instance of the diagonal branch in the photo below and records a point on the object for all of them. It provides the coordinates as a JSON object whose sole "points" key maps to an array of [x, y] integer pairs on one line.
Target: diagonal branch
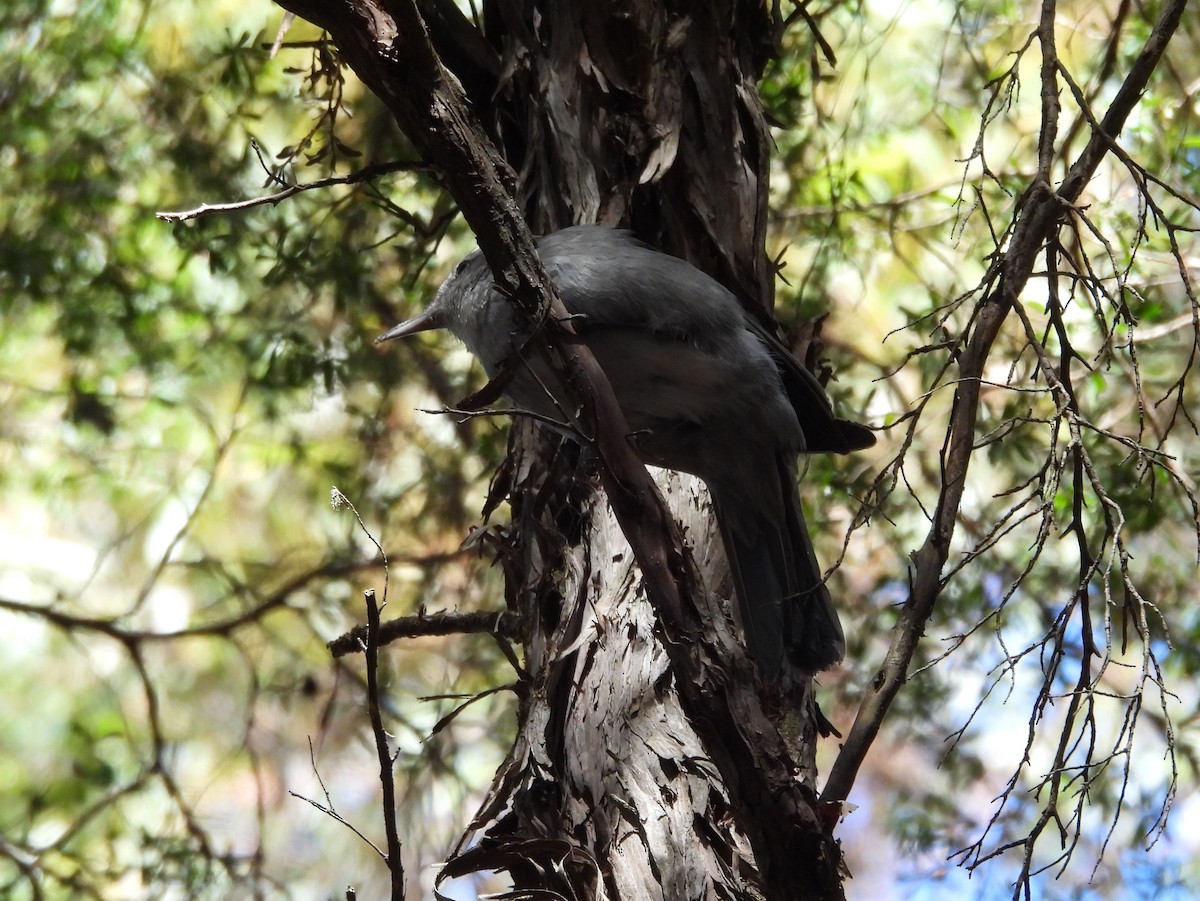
{"points": [[367, 173], [1042, 210]]}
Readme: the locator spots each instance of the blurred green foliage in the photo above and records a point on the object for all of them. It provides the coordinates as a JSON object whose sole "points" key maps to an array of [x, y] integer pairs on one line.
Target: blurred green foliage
{"points": [[177, 400]]}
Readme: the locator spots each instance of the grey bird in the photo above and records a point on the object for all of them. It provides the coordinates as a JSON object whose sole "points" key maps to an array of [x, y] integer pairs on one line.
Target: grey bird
{"points": [[705, 390]]}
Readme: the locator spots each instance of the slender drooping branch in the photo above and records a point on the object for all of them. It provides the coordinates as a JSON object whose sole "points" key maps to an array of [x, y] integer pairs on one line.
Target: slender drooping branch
{"points": [[365, 174], [1042, 211]]}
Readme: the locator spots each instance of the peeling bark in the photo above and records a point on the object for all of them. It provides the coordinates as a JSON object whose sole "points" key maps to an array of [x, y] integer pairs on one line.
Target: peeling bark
{"points": [[607, 758], [644, 114]]}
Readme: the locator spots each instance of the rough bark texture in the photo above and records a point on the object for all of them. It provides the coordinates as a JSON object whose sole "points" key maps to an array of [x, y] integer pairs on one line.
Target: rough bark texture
{"points": [[629, 778], [646, 114], [608, 772]]}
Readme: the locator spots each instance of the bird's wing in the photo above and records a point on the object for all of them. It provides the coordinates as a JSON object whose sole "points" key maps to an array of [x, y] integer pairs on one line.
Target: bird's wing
{"points": [[607, 276], [823, 431], [610, 278]]}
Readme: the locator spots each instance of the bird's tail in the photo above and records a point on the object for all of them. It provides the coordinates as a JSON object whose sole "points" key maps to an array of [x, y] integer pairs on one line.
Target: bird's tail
{"points": [[786, 610]]}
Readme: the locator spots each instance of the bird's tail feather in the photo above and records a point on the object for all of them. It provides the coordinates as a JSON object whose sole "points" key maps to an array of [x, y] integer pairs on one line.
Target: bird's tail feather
{"points": [[786, 610]]}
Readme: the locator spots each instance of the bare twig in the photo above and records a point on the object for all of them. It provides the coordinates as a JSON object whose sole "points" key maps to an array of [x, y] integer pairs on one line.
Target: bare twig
{"points": [[386, 760], [367, 173], [500, 623], [333, 814], [370, 648]]}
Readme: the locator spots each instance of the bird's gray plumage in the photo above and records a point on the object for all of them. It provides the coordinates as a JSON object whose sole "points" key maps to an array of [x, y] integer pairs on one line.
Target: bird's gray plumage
{"points": [[704, 389]]}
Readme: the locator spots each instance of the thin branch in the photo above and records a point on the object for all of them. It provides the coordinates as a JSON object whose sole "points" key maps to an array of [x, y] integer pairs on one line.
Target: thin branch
{"points": [[387, 778], [499, 623], [333, 814], [367, 173]]}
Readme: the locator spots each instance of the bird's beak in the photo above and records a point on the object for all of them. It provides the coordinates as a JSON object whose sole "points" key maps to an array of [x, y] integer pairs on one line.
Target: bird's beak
{"points": [[428, 320]]}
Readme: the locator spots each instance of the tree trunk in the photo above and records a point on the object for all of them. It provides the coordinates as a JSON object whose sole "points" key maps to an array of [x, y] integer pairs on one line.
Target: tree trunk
{"points": [[645, 116], [646, 765]]}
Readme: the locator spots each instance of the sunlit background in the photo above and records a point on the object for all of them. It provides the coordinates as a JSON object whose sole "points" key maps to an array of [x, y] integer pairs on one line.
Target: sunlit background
{"points": [[178, 400]]}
